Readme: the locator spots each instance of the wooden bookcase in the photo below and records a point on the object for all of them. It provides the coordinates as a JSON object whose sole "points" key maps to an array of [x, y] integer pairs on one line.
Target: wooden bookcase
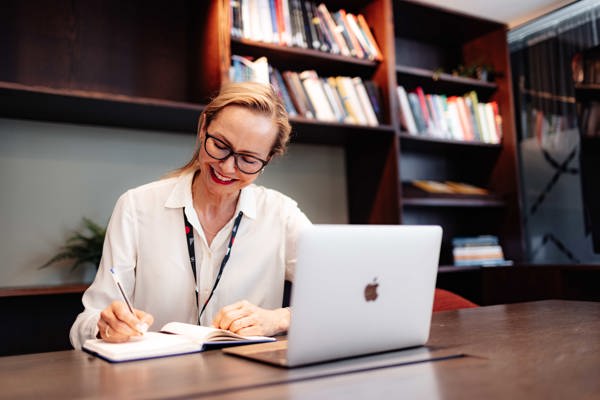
{"points": [[153, 64], [426, 40]]}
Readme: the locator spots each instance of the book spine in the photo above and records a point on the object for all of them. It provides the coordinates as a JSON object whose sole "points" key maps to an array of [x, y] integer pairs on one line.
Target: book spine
{"points": [[297, 94], [236, 18], [362, 23], [351, 42], [329, 43], [360, 36], [454, 119], [316, 95], [280, 88], [364, 101], [315, 40], [287, 21], [406, 116], [332, 26], [465, 121], [424, 109], [332, 98], [298, 24], [350, 99], [415, 107], [375, 97]]}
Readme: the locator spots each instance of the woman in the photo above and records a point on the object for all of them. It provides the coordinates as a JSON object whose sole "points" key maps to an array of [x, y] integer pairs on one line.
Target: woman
{"points": [[171, 243]]}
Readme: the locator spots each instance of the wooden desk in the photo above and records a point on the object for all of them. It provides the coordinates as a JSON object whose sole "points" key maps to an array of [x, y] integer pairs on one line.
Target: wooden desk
{"points": [[548, 349]]}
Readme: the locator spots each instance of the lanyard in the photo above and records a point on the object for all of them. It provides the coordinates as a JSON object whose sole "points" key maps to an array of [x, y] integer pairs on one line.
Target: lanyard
{"points": [[189, 232]]}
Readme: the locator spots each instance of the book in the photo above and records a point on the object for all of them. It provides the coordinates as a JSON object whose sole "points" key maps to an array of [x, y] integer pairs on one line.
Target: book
{"points": [[406, 116], [375, 97], [365, 103], [174, 338], [465, 188], [244, 69], [415, 107], [297, 94], [316, 95], [351, 41], [281, 90], [481, 240], [362, 23], [350, 99], [450, 187], [483, 250], [333, 29], [352, 23]]}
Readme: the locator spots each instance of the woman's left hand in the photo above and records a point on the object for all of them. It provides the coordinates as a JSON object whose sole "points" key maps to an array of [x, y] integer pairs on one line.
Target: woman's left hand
{"points": [[244, 318]]}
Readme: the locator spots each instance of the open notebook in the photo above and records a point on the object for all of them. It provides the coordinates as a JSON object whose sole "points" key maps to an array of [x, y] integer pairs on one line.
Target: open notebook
{"points": [[174, 338]]}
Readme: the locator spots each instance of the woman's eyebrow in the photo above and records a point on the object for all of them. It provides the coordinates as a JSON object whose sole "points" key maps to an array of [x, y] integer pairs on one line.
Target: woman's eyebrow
{"points": [[228, 143]]}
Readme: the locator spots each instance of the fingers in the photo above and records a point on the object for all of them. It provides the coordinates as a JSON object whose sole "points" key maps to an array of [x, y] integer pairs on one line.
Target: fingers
{"points": [[242, 323], [145, 320], [230, 313], [117, 324], [245, 318]]}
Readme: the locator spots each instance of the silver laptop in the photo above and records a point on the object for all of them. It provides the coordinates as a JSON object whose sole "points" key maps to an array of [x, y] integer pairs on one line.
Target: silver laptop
{"points": [[358, 289]]}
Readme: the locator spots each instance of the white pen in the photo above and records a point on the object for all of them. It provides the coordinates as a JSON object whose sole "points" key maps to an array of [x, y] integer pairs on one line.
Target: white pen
{"points": [[143, 327]]}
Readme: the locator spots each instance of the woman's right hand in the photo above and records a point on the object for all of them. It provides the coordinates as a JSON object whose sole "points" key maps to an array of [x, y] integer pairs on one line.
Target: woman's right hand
{"points": [[117, 324]]}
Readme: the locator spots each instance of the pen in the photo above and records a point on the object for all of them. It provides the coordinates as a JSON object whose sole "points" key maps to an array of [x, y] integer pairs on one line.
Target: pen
{"points": [[140, 327]]}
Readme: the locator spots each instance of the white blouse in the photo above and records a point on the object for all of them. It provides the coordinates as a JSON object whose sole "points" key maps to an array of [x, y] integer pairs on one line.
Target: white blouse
{"points": [[146, 244]]}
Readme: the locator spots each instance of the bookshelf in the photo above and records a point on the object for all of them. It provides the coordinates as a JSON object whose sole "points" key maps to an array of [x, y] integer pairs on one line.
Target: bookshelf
{"points": [[152, 65], [426, 57]]}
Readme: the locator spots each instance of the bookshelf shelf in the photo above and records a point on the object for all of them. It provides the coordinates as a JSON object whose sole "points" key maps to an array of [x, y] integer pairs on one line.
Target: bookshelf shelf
{"points": [[97, 108], [448, 269], [330, 133], [287, 53], [442, 83], [428, 143], [444, 77], [452, 201]]}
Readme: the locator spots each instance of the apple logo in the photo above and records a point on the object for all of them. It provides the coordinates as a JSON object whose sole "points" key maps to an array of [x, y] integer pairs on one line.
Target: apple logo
{"points": [[371, 290]]}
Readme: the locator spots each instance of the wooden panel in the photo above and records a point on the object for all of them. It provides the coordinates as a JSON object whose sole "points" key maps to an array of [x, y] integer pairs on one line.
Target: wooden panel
{"points": [[38, 322], [133, 47], [493, 49], [371, 165]]}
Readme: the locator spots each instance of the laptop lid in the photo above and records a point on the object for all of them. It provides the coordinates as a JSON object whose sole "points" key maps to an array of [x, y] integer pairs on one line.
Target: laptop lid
{"points": [[358, 289]]}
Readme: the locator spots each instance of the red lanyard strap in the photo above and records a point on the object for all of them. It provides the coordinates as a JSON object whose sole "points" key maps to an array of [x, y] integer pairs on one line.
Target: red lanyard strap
{"points": [[189, 232]]}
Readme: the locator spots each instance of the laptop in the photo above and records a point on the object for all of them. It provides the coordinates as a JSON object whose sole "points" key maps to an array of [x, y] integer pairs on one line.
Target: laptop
{"points": [[358, 290]]}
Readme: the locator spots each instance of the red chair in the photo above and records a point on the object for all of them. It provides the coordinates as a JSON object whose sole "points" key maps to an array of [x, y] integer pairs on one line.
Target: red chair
{"points": [[446, 301]]}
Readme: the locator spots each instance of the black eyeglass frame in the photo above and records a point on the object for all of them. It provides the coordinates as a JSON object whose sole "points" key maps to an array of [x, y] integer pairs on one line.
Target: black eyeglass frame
{"points": [[234, 154]]}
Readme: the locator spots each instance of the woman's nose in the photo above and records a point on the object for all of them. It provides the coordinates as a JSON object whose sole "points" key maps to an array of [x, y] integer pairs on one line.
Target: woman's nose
{"points": [[228, 165]]}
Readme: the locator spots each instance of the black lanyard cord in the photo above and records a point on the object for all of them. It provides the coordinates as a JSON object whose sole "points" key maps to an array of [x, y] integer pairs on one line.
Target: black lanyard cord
{"points": [[189, 232]]}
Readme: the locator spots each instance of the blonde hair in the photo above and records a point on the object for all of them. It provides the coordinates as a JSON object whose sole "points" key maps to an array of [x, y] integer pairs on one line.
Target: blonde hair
{"points": [[257, 97]]}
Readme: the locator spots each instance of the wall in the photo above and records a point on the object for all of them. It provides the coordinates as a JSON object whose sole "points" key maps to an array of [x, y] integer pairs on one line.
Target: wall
{"points": [[51, 175]]}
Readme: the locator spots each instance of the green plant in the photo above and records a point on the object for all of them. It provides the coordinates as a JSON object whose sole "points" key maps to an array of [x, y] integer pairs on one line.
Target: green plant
{"points": [[82, 247]]}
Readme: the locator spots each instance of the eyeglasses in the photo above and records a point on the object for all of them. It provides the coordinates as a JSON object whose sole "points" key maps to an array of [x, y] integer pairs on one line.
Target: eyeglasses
{"points": [[220, 150]]}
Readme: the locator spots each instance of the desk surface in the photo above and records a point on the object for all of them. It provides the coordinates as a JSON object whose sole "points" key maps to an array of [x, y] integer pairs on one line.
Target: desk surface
{"points": [[548, 349]]}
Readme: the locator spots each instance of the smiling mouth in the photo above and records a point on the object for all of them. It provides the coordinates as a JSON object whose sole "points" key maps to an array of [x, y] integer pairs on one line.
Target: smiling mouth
{"points": [[223, 180]]}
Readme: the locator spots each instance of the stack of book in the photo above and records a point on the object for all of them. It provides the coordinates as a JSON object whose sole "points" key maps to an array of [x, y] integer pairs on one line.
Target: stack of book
{"points": [[333, 99], [304, 24], [462, 118], [478, 250]]}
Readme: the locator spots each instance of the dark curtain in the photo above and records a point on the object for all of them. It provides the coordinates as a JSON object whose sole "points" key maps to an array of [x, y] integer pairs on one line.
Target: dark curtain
{"points": [[542, 53]]}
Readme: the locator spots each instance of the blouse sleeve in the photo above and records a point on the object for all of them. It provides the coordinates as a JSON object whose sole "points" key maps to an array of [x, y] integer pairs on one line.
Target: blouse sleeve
{"points": [[119, 252], [296, 222]]}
